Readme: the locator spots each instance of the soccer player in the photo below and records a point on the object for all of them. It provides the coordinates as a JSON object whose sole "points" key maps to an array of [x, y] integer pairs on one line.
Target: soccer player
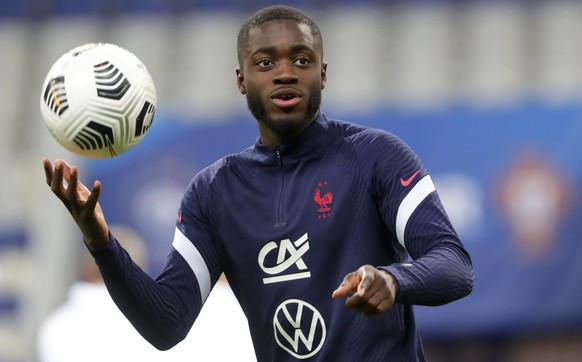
{"points": [[316, 212]]}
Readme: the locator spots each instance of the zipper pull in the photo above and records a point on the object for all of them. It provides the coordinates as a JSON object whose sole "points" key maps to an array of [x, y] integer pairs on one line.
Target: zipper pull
{"points": [[279, 157]]}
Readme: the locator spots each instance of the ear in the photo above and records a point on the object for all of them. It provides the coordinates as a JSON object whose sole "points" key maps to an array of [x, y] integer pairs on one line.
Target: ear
{"points": [[323, 74], [240, 81]]}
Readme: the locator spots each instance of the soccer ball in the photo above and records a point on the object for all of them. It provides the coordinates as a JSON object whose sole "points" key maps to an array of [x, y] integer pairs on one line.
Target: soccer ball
{"points": [[98, 100]]}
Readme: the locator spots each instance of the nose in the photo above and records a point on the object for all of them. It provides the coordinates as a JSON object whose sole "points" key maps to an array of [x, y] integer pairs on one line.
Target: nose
{"points": [[285, 74]]}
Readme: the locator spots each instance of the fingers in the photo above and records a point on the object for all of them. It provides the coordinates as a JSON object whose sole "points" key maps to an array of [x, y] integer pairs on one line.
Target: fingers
{"points": [[55, 179], [48, 170], [370, 291], [81, 202], [64, 182], [358, 282], [94, 195], [73, 181], [366, 289], [374, 304], [366, 280]]}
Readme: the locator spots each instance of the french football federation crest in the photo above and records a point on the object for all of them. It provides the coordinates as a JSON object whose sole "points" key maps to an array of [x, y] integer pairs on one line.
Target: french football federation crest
{"points": [[323, 199]]}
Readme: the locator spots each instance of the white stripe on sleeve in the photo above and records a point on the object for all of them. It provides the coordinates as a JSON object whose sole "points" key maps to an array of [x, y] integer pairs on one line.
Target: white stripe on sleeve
{"points": [[194, 260], [418, 193]]}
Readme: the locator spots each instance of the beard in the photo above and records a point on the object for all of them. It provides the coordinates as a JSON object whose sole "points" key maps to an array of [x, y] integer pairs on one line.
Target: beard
{"points": [[287, 125]]}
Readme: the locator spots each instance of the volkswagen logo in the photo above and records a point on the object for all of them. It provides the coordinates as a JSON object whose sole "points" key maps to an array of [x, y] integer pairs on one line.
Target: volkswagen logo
{"points": [[299, 328]]}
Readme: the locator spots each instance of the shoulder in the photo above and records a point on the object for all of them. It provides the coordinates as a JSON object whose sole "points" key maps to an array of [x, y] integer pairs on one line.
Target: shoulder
{"points": [[225, 164], [207, 179], [365, 139]]}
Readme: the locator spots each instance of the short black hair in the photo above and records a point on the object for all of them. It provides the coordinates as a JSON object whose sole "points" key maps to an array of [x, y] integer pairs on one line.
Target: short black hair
{"points": [[275, 12]]}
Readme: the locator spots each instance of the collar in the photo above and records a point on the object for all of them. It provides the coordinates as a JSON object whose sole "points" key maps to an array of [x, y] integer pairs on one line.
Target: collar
{"points": [[306, 145]]}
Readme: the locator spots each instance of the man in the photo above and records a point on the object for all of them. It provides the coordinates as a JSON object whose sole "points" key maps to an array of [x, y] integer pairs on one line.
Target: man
{"points": [[314, 204]]}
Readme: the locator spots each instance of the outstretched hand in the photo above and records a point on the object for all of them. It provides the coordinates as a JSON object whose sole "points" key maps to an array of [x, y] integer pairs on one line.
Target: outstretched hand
{"points": [[81, 202], [373, 291]]}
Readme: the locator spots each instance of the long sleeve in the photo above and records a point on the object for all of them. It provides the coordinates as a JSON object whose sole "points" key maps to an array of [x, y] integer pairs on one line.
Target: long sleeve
{"points": [[441, 270], [162, 310], [441, 276]]}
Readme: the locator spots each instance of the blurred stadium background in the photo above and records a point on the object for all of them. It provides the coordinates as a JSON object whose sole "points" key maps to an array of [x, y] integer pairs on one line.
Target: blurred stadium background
{"points": [[489, 93]]}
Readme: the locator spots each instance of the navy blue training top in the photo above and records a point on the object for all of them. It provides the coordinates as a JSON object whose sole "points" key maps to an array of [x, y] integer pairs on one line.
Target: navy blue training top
{"points": [[286, 224]]}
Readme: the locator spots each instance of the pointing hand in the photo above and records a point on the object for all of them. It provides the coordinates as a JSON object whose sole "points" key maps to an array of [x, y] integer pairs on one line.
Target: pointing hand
{"points": [[373, 291]]}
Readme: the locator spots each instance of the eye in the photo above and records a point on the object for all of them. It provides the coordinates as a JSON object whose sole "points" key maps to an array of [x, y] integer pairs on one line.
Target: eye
{"points": [[264, 63], [302, 61]]}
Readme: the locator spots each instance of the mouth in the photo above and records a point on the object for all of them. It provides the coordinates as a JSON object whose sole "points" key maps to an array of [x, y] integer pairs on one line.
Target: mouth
{"points": [[286, 97]]}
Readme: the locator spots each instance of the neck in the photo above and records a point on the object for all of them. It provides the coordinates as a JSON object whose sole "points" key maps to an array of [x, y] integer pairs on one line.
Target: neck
{"points": [[274, 139], [283, 133]]}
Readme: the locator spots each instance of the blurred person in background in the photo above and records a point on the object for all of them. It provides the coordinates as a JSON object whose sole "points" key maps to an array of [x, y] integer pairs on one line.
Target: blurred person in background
{"points": [[88, 326], [316, 212]]}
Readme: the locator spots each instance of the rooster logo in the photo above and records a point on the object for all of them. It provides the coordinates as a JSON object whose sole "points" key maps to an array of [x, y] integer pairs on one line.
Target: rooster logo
{"points": [[323, 201]]}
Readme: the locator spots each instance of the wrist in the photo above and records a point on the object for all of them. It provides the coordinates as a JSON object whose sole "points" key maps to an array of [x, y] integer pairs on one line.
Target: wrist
{"points": [[96, 243], [391, 281]]}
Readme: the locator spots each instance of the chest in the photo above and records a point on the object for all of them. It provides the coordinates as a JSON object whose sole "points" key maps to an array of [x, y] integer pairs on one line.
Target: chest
{"points": [[275, 201], [281, 214]]}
